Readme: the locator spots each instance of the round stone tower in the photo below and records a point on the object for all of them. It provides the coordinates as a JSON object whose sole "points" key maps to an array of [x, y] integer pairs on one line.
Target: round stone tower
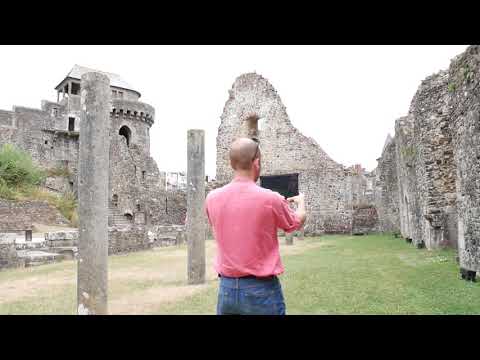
{"points": [[133, 173]]}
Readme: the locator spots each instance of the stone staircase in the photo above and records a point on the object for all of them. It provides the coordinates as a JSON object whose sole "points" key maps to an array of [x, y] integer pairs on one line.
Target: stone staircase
{"points": [[117, 219]]}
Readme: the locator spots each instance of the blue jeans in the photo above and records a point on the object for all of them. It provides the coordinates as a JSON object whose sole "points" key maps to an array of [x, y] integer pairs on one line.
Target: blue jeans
{"points": [[250, 296]]}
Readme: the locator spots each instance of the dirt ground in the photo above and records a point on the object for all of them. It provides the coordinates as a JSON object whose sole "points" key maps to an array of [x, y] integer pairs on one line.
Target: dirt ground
{"points": [[138, 282]]}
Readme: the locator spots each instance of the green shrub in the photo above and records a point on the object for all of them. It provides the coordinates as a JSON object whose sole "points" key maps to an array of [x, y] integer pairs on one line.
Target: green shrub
{"points": [[20, 180], [67, 205], [74, 219], [17, 168], [5, 191]]}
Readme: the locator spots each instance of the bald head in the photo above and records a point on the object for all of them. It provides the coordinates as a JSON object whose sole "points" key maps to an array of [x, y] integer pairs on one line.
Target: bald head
{"points": [[242, 152]]}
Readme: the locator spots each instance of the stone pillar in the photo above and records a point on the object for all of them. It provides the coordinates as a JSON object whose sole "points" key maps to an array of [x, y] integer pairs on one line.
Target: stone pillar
{"points": [[289, 238], [93, 194], [301, 233], [195, 225]]}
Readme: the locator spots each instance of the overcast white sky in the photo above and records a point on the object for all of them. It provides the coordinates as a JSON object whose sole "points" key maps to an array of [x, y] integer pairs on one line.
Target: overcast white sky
{"points": [[345, 97]]}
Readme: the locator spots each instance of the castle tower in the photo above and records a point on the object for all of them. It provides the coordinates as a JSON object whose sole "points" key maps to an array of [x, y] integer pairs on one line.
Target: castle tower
{"points": [[133, 173], [137, 196]]}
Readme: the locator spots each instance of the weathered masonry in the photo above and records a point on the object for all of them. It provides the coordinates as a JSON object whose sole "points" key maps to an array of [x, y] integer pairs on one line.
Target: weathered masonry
{"points": [[138, 200], [430, 181], [255, 110]]}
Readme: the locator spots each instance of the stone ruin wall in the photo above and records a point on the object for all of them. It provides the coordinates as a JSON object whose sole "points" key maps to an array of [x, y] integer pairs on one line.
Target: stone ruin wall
{"points": [[122, 240], [134, 175], [464, 103], [437, 162], [386, 190], [254, 109], [405, 176], [130, 165], [42, 135], [21, 215], [432, 157], [17, 217]]}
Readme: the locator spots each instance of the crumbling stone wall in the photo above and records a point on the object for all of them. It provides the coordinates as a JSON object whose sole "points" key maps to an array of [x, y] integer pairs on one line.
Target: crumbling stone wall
{"points": [[386, 189], [20, 215], [406, 176], [464, 101], [365, 220], [136, 187], [128, 239], [167, 235], [432, 155], [170, 207], [437, 154], [254, 109]]}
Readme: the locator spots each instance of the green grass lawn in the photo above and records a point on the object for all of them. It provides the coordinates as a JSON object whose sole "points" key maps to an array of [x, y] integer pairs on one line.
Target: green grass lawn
{"points": [[375, 274]]}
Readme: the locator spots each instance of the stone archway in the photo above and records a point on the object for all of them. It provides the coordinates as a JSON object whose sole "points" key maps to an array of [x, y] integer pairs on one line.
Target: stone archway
{"points": [[127, 133]]}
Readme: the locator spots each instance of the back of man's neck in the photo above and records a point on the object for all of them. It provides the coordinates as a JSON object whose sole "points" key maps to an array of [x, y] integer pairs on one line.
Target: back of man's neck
{"points": [[243, 176]]}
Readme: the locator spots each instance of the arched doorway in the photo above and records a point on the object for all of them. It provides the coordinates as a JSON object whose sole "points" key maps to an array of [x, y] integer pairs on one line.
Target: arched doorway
{"points": [[126, 132]]}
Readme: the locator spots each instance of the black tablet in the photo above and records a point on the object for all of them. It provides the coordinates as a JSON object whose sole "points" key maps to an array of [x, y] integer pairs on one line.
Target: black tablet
{"points": [[286, 185]]}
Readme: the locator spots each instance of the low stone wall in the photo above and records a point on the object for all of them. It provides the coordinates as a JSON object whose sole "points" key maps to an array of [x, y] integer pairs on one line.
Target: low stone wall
{"points": [[37, 245], [20, 215], [365, 220], [167, 235], [132, 238], [36, 258], [63, 242]]}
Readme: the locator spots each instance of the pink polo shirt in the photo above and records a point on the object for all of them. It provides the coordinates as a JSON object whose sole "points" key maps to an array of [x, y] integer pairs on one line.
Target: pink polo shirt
{"points": [[244, 219]]}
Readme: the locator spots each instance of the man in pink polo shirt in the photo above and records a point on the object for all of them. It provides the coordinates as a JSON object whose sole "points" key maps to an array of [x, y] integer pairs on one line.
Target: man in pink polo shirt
{"points": [[245, 218]]}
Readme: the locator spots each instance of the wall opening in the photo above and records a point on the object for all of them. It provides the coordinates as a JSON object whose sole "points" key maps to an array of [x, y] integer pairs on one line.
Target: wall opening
{"points": [[126, 132], [252, 127], [144, 173], [75, 88], [128, 217], [115, 200], [71, 124]]}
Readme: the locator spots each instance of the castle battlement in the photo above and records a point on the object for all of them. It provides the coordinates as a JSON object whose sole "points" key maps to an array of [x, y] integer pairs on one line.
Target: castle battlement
{"points": [[134, 110]]}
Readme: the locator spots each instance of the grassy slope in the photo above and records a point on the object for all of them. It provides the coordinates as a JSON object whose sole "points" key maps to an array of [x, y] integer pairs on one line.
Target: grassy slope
{"points": [[328, 275]]}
